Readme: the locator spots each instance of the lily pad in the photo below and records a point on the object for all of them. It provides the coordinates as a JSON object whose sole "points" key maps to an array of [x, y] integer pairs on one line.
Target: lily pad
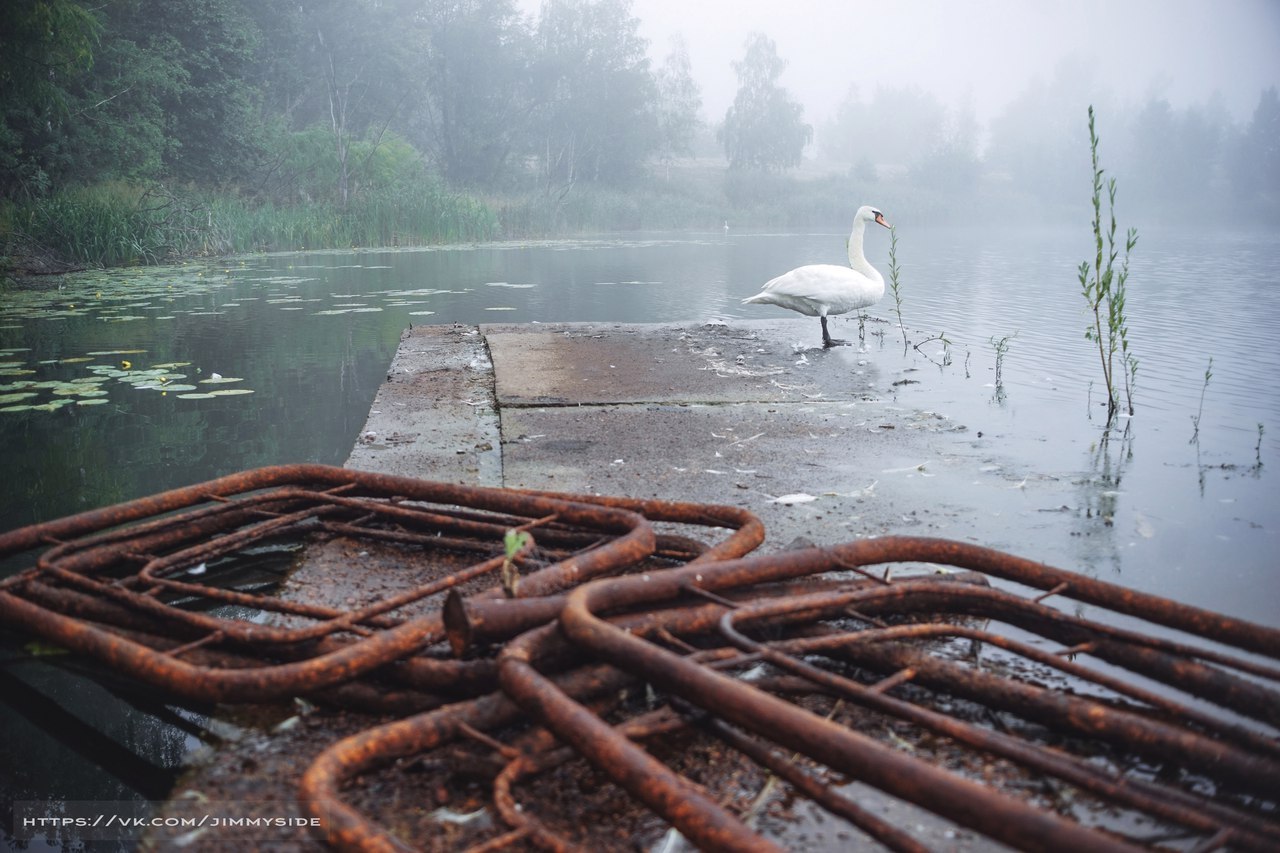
{"points": [[197, 396], [216, 380], [91, 401], [19, 408], [227, 392], [117, 352], [13, 398]]}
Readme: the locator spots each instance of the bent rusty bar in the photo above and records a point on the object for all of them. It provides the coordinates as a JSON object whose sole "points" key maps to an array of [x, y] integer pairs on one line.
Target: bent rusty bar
{"points": [[960, 800], [825, 644], [485, 619], [1168, 803], [628, 538], [1064, 710], [347, 828], [670, 671], [879, 829], [698, 816], [726, 574], [529, 762], [748, 528]]}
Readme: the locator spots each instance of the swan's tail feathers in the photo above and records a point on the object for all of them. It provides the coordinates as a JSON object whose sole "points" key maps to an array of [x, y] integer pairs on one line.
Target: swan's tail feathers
{"points": [[759, 297]]}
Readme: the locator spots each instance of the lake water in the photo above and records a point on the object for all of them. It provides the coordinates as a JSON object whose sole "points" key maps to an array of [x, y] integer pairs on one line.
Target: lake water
{"points": [[311, 336]]}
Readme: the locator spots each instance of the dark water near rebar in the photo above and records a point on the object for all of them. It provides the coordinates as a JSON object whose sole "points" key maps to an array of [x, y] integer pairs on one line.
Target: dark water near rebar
{"points": [[312, 334]]}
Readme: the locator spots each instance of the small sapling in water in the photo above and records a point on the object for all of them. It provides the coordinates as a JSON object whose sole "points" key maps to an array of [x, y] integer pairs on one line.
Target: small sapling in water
{"points": [[895, 285], [1103, 286], [1001, 346], [1195, 419]]}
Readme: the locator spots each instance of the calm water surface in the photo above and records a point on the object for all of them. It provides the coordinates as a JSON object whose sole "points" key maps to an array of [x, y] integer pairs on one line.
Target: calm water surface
{"points": [[312, 334]]}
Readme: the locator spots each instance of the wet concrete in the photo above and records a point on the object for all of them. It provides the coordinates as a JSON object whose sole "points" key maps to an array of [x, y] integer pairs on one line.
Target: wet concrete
{"points": [[752, 415]]}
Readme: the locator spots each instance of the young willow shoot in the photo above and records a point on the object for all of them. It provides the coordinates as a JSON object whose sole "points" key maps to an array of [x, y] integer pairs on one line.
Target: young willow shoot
{"points": [[895, 284], [1195, 419], [1001, 346], [1103, 285]]}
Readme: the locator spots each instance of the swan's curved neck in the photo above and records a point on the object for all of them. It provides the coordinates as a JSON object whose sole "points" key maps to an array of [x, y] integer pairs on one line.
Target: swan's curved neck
{"points": [[857, 259]]}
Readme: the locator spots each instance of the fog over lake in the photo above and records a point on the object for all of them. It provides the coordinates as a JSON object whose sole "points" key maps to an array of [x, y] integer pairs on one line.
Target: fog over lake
{"points": [[985, 52]]}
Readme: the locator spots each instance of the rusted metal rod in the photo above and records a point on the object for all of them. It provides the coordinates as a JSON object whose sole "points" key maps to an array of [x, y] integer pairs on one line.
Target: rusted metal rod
{"points": [[1170, 804], [957, 799], [698, 816], [347, 828], [879, 829]]}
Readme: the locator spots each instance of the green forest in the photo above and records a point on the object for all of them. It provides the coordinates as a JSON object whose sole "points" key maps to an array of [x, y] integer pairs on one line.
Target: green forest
{"points": [[138, 131]]}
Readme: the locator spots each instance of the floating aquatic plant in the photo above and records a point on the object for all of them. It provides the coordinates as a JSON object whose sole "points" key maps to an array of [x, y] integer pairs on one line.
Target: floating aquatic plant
{"points": [[50, 395]]}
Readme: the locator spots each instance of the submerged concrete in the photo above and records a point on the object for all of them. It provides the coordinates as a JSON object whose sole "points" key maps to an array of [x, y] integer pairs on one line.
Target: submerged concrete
{"points": [[752, 415]]}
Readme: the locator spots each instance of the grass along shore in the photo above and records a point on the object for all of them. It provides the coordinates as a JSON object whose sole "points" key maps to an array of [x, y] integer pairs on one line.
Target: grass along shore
{"points": [[120, 224]]}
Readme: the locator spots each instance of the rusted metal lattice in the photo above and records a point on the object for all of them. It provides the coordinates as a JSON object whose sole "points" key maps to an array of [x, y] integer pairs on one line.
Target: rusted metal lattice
{"points": [[132, 585], [967, 695], [626, 666]]}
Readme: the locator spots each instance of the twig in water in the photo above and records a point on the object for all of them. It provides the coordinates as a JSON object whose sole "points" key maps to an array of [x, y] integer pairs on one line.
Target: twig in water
{"points": [[946, 348]]}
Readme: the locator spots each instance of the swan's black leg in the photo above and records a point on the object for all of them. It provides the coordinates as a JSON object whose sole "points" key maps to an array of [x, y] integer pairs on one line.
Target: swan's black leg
{"points": [[827, 340]]}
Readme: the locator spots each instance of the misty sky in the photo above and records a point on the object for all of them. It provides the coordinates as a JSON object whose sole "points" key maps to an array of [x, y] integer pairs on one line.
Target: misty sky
{"points": [[986, 50]]}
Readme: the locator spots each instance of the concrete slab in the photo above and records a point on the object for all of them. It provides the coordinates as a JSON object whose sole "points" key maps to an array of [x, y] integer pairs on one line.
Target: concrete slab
{"points": [[749, 415], [435, 413], [771, 458], [587, 363]]}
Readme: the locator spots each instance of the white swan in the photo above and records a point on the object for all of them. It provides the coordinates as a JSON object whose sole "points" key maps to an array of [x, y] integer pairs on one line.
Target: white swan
{"points": [[817, 290]]}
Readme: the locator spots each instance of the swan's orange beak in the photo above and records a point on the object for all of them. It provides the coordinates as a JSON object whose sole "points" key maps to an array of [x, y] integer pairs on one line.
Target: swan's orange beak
{"points": [[880, 220]]}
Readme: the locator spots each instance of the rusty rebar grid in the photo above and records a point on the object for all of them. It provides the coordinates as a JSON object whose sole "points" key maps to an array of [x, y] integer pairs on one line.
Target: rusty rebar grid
{"points": [[886, 647], [131, 585], [1132, 721], [139, 558], [1171, 721]]}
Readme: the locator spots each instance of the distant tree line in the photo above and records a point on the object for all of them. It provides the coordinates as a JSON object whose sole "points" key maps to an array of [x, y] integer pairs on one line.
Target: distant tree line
{"points": [[301, 101], [295, 98], [1191, 162]]}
